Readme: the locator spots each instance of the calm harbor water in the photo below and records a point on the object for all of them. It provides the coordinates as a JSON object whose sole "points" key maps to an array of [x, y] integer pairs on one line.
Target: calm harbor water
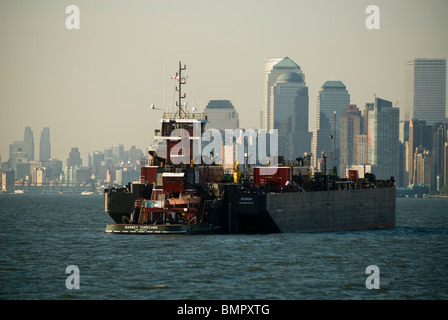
{"points": [[42, 234]]}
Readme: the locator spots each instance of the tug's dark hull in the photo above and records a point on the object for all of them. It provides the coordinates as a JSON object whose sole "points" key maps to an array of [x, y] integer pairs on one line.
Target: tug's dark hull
{"points": [[241, 211]]}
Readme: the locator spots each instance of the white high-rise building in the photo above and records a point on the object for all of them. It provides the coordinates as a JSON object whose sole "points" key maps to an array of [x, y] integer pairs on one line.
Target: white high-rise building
{"points": [[425, 90], [331, 101], [383, 140], [289, 109], [350, 129], [332, 97]]}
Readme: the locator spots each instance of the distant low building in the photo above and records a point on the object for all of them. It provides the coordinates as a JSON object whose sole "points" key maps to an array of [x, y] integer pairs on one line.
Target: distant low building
{"points": [[75, 176], [8, 178], [39, 177], [53, 168]]}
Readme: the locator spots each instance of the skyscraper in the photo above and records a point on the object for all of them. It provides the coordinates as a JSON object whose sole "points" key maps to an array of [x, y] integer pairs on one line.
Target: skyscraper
{"points": [[351, 123], [28, 144], [332, 99], [289, 110], [440, 139], [273, 68], [221, 115], [16, 150], [321, 142], [419, 137], [44, 145], [423, 160], [22, 151], [445, 162], [118, 153], [361, 149], [425, 90], [383, 140], [365, 117], [74, 158]]}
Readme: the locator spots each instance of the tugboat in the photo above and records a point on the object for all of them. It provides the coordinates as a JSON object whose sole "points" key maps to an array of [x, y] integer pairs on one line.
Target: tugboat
{"points": [[169, 198], [189, 196]]}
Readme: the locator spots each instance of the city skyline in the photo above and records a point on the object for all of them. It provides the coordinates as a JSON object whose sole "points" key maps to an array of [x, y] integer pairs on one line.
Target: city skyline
{"points": [[93, 86]]}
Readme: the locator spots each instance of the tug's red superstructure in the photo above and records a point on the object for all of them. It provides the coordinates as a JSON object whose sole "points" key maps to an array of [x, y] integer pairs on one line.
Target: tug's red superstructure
{"points": [[176, 199]]}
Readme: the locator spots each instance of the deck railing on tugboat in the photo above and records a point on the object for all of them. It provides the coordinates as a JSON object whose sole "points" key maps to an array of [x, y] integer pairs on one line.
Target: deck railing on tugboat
{"points": [[172, 116]]}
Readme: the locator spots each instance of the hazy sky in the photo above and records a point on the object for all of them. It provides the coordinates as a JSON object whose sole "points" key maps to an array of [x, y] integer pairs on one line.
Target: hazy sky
{"points": [[93, 87]]}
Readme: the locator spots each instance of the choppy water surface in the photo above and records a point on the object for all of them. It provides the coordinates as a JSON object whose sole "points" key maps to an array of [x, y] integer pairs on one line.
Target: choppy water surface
{"points": [[40, 235]]}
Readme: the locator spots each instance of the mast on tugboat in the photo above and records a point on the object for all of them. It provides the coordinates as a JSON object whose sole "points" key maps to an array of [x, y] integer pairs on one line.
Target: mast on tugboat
{"points": [[181, 81]]}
